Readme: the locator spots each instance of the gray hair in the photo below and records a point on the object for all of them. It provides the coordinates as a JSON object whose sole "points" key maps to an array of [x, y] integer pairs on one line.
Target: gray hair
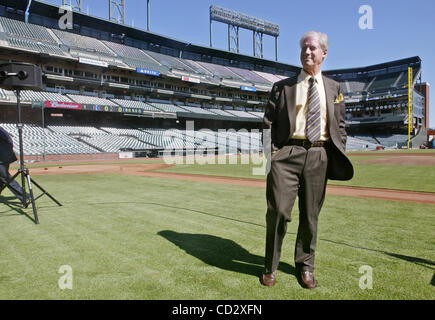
{"points": [[322, 37]]}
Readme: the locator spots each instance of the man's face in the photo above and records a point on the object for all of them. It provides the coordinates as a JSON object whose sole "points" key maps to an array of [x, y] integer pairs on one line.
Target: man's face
{"points": [[312, 54]]}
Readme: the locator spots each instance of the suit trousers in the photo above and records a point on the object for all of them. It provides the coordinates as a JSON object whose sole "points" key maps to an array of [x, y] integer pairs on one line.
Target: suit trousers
{"points": [[294, 171], [13, 186]]}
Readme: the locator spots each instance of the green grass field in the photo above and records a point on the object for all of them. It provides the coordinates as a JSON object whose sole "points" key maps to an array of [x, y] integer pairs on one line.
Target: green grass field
{"points": [[401, 177], [128, 237]]}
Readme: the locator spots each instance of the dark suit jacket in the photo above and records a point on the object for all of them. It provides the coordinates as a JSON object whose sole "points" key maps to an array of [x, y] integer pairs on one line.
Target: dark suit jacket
{"points": [[280, 117], [7, 154]]}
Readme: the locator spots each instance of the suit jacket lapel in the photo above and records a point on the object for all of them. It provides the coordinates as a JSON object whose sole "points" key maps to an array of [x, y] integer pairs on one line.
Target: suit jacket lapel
{"points": [[330, 95], [290, 99]]}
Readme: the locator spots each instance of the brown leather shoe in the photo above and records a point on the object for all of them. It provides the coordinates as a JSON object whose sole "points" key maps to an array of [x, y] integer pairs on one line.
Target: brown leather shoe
{"points": [[268, 279], [307, 280]]}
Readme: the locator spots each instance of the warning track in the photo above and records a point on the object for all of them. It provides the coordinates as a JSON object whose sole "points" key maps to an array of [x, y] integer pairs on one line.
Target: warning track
{"points": [[148, 170]]}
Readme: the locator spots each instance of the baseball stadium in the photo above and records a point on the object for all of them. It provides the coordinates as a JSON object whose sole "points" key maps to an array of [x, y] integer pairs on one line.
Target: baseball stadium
{"points": [[145, 159]]}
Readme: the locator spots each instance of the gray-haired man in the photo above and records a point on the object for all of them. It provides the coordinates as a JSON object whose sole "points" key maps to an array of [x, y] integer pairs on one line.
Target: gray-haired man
{"points": [[305, 115]]}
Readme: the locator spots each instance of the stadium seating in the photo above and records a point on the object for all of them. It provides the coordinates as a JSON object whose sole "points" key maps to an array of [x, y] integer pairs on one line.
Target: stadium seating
{"points": [[35, 46], [268, 76], [204, 139], [171, 138], [63, 43], [83, 42], [383, 81], [135, 58], [242, 114], [37, 141], [91, 100], [42, 96], [70, 139], [115, 143], [105, 139], [136, 105], [220, 71], [146, 64], [139, 134], [393, 140], [197, 67], [3, 95], [356, 86], [28, 95], [366, 137], [354, 144], [238, 141], [166, 107], [402, 81], [53, 96], [110, 60], [76, 130], [257, 114], [170, 62], [15, 28], [222, 112], [226, 141], [196, 110], [127, 51], [249, 75]]}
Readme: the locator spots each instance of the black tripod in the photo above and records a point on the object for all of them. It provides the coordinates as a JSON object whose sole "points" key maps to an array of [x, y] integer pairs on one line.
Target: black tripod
{"points": [[24, 172]]}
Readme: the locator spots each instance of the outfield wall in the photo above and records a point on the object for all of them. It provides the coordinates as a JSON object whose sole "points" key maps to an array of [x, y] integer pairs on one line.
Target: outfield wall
{"points": [[71, 157]]}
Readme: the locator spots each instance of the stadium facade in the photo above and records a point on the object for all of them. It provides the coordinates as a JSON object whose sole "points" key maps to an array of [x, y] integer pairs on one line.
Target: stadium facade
{"points": [[111, 88]]}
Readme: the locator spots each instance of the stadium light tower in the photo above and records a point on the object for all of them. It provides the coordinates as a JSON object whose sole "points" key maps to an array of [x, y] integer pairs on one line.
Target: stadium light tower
{"points": [[236, 20], [233, 38], [117, 11], [257, 40], [74, 4], [148, 15]]}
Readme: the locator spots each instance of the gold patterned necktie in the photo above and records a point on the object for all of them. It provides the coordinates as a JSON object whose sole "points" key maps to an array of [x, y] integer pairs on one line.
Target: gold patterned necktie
{"points": [[313, 114]]}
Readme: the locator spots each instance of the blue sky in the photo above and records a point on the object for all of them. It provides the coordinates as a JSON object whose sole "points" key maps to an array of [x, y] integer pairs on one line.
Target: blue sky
{"points": [[401, 28]]}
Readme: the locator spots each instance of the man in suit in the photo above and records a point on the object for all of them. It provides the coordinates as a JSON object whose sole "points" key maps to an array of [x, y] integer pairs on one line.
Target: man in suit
{"points": [[7, 156], [305, 117]]}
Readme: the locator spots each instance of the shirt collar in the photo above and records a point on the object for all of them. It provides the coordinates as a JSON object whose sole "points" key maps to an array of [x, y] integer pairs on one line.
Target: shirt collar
{"points": [[304, 76]]}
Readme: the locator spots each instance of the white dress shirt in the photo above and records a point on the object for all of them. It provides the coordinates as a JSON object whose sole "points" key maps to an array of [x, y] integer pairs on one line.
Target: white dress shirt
{"points": [[302, 86]]}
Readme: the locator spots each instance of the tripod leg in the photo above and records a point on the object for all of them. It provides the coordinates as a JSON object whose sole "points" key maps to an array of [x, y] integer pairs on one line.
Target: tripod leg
{"points": [[35, 213], [23, 187], [45, 192]]}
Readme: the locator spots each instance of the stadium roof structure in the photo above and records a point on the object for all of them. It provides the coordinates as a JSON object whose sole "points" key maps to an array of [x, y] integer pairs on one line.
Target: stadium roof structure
{"points": [[81, 20], [406, 61], [41, 8]]}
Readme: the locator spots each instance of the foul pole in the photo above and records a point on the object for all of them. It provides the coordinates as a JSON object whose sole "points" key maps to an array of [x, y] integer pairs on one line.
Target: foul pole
{"points": [[410, 104]]}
